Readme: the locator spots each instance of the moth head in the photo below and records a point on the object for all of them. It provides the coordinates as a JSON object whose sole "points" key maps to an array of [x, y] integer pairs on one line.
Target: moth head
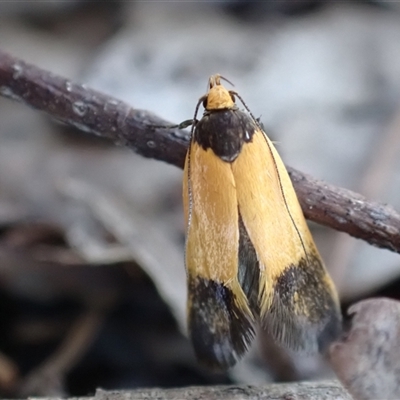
{"points": [[218, 97]]}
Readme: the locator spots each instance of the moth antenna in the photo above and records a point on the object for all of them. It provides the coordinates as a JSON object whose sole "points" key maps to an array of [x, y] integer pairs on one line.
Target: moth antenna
{"points": [[256, 120], [195, 115], [216, 80], [226, 80]]}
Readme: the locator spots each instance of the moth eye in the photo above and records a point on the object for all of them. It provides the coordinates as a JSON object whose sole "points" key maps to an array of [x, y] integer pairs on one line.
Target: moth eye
{"points": [[205, 102], [233, 97]]}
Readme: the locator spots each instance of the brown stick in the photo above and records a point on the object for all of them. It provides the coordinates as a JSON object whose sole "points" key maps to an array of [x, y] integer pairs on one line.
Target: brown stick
{"points": [[47, 376], [321, 390], [327, 390], [324, 390], [103, 115], [366, 358]]}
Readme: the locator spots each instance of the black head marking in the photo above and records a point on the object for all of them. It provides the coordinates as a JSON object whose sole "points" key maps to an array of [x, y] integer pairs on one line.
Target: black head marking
{"points": [[224, 131]]}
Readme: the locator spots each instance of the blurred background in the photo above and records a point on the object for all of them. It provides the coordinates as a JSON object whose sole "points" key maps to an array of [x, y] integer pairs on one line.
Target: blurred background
{"points": [[92, 281]]}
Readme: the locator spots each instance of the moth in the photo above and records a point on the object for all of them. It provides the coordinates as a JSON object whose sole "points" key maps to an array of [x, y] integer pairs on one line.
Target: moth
{"points": [[249, 256]]}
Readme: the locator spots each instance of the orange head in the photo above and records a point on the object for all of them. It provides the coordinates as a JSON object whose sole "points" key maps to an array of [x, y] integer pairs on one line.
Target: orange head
{"points": [[218, 97]]}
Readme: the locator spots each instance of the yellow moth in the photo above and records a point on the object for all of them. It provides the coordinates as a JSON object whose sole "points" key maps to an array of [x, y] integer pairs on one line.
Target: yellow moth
{"points": [[249, 254]]}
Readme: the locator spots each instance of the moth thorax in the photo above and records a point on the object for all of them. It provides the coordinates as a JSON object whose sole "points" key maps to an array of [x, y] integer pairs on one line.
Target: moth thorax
{"points": [[219, 98]]}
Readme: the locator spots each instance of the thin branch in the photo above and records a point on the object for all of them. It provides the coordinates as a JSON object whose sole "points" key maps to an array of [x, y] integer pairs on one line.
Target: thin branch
{"points": [[149, 247], [366, 358], [91, 111], [48, 376], [103, 115], [375, 179], [324, 390], [321, 390]]}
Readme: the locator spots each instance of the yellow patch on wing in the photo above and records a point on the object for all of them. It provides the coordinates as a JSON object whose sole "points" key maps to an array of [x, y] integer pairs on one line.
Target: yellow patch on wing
{"points": [[211, 211], [271, 213]]}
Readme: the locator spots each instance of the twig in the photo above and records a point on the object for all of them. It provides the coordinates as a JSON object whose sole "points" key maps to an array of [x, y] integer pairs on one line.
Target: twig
{"points": [[99, 114], [375, 180], [367, 357], [149, 247], [328, 390], [49, 375], [324, 390]]}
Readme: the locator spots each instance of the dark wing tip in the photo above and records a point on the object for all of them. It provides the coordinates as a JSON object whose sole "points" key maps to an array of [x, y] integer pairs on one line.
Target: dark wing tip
{"points": [[220, 330], [300, 332], [304, 314], [332, 328]]}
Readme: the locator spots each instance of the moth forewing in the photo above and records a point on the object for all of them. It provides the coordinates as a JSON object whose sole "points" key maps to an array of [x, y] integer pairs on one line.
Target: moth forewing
{"points": [[298, 301], [220, 321]]}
